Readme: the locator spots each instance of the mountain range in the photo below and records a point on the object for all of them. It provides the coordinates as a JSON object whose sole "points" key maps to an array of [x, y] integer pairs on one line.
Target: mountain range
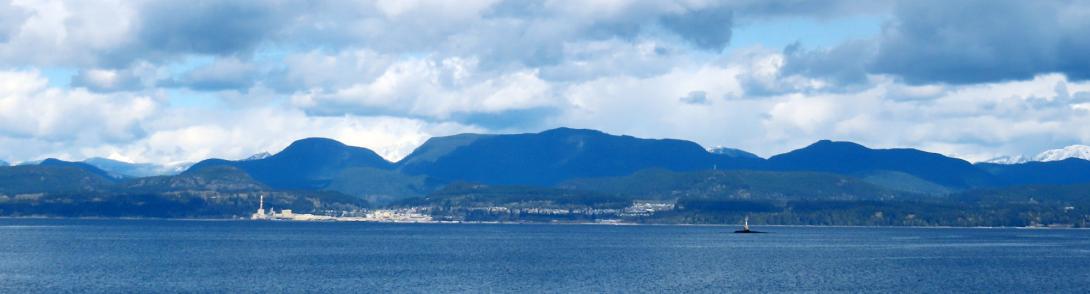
{"points": [[1073, 151], [856, 160], [564, 159], [121, 169], [75, 189], [557, 155], [310, 163], [554, 157]]}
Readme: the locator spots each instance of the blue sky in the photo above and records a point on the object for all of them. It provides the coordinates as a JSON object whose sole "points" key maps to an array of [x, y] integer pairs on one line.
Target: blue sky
{"points": [[179, 81]]}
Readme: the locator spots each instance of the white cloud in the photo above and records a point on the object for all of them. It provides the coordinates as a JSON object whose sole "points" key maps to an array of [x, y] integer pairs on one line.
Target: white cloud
{"points": [[434, 89], [971, 121], [238, 134], [29, 108], [38, 121], [63, 33], [319, 71], [138, 76], [801, 113], [222, 74], [388, 74]]}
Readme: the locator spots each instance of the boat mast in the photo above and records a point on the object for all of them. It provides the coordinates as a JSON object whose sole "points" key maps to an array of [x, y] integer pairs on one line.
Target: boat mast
{"points": [[745, 226]]}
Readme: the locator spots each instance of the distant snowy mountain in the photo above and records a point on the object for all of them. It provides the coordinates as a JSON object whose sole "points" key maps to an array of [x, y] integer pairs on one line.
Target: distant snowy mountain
{"points": [[32, 162], [259, 156], [1016, 159], [1073, 151], [732, 152], [120, 169]]}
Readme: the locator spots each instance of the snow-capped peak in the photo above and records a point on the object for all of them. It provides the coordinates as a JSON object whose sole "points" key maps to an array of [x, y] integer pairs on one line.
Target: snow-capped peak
{"points": [[1008, 159], [1073, 151], [732, 152], [258, 156]]}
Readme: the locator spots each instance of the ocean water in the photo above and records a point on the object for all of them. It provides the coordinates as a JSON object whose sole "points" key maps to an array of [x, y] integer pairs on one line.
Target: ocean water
{"points": [[144, 256]]}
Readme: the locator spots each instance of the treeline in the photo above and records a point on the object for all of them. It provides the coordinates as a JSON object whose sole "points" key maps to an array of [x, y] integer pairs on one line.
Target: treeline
{"points": [[177, 204], [1013, 207], [849, 213]]}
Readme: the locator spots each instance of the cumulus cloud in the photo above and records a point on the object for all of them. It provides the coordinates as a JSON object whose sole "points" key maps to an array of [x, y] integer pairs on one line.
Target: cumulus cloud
{"points": [[114, 34], [930, 41], [166, 30], [222, 74], [973, 122], [319, 71], [234, 134], [60, 33], [650, 106], [138, 76], [839, 65], [437, 89], [927, 42], [388, 74], [30, 109], [11, 17], [767, 73], [706, 28], [38, 121], [695, 97]]}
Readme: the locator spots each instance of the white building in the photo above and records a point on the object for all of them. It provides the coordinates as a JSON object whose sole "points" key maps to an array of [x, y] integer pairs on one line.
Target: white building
{"points": [[260, 214]]}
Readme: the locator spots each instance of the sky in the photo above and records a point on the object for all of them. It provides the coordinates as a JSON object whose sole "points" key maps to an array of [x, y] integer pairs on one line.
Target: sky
{"points": [[180, 81]]}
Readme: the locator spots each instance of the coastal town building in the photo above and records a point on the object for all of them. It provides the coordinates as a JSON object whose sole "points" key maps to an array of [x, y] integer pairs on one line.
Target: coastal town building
{"points": [[410, 215]]}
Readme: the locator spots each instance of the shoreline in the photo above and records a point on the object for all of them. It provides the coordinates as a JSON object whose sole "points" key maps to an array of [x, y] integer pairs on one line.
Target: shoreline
{"points": [[517, 223]]}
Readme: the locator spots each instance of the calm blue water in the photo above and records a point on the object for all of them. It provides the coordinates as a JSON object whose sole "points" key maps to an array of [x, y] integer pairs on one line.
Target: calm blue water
{"points": [[236, 256]]}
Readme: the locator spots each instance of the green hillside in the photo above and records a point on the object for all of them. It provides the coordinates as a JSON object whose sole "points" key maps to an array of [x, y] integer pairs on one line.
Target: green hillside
{"points": [[737, 184]]}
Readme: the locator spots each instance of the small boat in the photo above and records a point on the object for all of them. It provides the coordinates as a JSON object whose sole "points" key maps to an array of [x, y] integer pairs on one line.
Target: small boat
{"points": [[745, 228]]}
